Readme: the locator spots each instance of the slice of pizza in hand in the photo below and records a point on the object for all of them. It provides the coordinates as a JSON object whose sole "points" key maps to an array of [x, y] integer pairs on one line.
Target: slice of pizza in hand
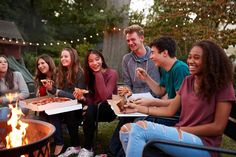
{"points": [[44, 81], [124, 90], [84, 91]]}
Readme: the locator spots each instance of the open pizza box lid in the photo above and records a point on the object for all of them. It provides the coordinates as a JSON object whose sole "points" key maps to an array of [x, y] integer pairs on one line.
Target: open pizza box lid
{"points": [[115, 100], [53, 107]]}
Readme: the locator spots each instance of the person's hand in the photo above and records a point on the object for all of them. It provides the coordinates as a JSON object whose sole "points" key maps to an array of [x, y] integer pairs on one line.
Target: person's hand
{"points": [[144, 101], [124, 90], [47, 83], [130, 107], [141, 74], [79, 93]]}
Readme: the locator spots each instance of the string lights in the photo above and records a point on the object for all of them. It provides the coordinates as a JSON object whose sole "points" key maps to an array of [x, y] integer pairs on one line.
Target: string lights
{"points": [[20, 42]]}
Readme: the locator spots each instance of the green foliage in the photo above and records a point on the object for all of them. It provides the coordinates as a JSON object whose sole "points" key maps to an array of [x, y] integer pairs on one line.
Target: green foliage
{"points": [[47, 20], [30, 59], [176, 19], [82, 50]]}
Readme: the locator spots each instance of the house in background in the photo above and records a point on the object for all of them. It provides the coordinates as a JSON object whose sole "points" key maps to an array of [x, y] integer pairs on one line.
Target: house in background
{"points": [[11, 40], [11, 44]]}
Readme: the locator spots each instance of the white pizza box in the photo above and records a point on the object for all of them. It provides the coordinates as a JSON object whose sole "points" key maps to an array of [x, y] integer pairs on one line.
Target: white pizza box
{"points": [[113, 102], [64, 109], [54, 105]]}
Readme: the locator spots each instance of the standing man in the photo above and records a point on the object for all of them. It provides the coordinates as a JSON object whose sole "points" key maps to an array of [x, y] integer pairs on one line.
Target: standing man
{"points": [[139, 57]]}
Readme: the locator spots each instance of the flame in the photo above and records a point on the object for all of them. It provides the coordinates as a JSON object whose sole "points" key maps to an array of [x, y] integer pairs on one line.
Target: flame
{"points": [[17, 137]]}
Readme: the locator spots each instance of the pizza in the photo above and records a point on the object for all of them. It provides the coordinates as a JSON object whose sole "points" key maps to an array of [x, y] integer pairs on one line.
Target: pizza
{"points": [[84, 91], [44, 81], [124, 90], [45, 101]]}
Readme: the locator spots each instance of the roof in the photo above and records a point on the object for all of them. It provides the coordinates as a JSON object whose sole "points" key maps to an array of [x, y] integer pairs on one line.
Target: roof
{"points": [[9, 30]]}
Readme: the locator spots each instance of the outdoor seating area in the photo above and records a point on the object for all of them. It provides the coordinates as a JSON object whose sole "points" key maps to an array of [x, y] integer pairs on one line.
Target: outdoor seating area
{"points": [[118, 78]]}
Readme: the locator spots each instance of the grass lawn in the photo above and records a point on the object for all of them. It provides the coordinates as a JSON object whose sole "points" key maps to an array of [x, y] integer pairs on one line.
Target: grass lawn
{"points": [[106, 129]]}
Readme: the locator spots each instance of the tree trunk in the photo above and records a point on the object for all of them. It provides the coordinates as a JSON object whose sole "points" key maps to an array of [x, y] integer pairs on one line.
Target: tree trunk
{"points": [[114, 44]]}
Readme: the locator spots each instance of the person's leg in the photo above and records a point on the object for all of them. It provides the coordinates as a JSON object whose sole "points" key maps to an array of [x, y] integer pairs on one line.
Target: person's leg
{"points": [[143, 131], [58, 136], [4, 111], [115, 147], [72, 123], [106, 114], [89, 126]]}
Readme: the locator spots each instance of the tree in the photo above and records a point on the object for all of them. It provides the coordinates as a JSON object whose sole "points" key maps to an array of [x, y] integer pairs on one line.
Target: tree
{"points": [[189, 21], [114, 44]]}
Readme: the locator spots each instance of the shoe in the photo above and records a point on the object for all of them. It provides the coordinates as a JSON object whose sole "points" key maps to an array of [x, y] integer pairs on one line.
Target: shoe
{"points": [[69, 151], [58, 149], [85, 153]]}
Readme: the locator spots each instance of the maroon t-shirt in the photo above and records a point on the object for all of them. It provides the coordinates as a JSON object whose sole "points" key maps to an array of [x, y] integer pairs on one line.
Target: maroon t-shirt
{"points": [[196, 110], [105, 86]]}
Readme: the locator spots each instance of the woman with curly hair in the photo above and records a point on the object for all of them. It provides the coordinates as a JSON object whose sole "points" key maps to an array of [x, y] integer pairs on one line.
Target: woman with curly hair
{"points": [[205, 98], [70, 75]]}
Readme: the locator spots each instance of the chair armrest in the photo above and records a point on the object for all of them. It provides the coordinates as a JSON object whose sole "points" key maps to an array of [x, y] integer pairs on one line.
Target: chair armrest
{"points": [[186, 145]]}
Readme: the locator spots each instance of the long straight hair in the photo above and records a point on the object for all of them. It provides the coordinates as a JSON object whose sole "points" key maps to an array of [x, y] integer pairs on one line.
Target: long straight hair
{"points": [[9, 75], [68, 76], [52, 69], [89, 76]]}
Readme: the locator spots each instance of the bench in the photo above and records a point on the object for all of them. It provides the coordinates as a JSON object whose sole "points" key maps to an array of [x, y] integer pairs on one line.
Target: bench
{"points": [[150, 150]]}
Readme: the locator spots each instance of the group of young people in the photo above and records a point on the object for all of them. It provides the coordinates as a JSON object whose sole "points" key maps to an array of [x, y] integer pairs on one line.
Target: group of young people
{"points": [[191, 103]]}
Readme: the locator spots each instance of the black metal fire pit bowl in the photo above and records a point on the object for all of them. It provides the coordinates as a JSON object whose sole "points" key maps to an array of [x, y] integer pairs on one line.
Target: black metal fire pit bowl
{"points": [[38, 134]]}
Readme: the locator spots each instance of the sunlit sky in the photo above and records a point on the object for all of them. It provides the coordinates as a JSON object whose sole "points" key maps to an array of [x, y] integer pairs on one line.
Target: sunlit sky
{"points": [[139, 5]]}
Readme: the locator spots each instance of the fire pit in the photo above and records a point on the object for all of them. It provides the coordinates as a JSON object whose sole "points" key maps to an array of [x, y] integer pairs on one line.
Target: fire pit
{"points": [[38, 134]]}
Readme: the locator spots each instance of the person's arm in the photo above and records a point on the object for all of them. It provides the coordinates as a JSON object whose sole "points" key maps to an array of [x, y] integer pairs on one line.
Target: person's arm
{"points": [[215, 128], [168, 109], [23, 89], [105, 90], [79, 84], [153, 85], [125, 73]]}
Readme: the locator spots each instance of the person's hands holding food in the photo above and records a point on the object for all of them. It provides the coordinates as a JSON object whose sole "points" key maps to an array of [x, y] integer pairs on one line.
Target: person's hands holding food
{"points": [[124, 90], [141, 74], [79, 93], [47, 83]]}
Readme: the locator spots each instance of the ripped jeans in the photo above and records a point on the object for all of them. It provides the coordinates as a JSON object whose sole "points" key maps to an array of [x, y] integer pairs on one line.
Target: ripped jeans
{"points": [[133, 141]]}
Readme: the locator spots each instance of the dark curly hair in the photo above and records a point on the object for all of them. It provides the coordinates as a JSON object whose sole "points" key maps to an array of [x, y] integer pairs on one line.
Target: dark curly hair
{"points": [[217, 70]]}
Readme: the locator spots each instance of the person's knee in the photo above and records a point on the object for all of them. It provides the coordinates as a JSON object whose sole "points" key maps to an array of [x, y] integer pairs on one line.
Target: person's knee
{"points": [[142, 124], [125, 128]]}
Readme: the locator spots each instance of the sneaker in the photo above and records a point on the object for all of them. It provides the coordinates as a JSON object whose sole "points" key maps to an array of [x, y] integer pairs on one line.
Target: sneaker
{"points": [[69, 151], [85, 153]]}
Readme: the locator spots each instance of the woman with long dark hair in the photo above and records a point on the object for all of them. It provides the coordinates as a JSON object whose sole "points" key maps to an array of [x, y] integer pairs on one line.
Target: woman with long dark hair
{"points": [[102, 83], [10, 82]]}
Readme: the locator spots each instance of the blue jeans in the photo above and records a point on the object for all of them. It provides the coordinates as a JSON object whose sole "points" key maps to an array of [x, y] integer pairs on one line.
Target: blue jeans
{"points": [[138, 136], [4, 112]]}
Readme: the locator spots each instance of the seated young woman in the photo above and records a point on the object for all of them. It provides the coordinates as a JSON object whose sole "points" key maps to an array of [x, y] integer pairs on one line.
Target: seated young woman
{"points": [[102, 83], [205, 98]]}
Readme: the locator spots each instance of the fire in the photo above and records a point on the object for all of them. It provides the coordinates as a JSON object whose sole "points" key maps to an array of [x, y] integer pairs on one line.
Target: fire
{"points": [[17, 136]]}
